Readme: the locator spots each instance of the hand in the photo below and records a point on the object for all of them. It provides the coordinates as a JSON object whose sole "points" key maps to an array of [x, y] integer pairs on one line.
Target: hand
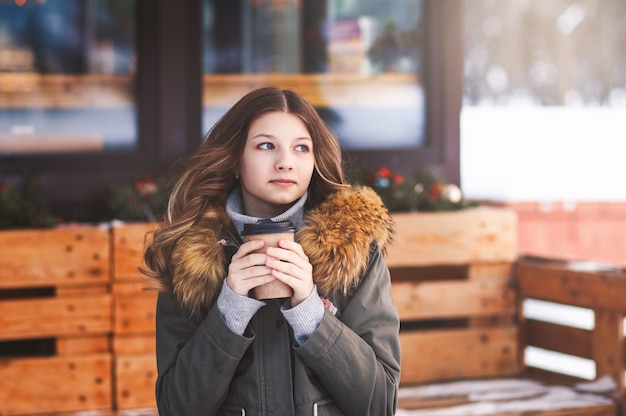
{"points": [[289, 264], [247, 269]]}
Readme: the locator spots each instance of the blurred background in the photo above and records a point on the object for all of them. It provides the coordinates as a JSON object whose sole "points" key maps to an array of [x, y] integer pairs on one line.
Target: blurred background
{"points": [[521, 103]]}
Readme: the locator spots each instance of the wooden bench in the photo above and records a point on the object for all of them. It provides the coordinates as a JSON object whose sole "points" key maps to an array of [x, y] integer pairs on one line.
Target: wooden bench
{"points": [[468, 331]]}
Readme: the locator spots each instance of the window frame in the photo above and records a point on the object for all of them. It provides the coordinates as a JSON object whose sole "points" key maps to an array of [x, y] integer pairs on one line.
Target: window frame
{"points": [[443, 85]]}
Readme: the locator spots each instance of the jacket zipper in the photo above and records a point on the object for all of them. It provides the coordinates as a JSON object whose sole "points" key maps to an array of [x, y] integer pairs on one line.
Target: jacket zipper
{"points": [[230, 239]]}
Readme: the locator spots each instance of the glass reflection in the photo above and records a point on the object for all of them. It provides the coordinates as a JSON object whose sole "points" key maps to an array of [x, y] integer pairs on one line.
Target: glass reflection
{"points": [[66, 75], [360, 63]]}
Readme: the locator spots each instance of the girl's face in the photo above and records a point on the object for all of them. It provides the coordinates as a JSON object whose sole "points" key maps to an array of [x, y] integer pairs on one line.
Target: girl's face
{"points": [[277, 164]]}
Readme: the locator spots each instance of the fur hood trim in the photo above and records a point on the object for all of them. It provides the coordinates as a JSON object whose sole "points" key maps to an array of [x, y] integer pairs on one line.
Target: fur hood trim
{"points": [[337, 238]]}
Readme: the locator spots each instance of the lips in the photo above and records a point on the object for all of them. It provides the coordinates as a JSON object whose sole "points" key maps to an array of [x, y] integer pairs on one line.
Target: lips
{"points": [[283, 182]]}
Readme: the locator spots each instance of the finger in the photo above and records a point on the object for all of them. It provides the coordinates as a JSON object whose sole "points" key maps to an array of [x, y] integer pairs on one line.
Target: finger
{"points": [[291, 254], [253, 259], [291, 245], [247, 248], [242, 281], [300, 270], [302, 288]]}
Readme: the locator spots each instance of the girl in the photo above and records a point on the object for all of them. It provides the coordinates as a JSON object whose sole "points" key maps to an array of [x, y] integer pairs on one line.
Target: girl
{"points": [[330, 349]]}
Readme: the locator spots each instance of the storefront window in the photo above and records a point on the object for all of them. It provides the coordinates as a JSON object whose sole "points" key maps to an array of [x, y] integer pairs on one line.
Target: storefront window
{"points": [[359, 62], [67, 76]]}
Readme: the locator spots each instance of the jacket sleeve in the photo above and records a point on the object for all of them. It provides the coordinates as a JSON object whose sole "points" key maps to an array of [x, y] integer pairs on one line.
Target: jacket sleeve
{"points": [[189, 359], [357, 356]]}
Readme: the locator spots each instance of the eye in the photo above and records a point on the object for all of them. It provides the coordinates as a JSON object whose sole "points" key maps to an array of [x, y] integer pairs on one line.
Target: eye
{"points": [[302, 148], [266, 146]]}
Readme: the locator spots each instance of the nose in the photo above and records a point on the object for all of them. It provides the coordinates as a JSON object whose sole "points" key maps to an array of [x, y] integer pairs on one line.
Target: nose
{"points": [[284, 161]]}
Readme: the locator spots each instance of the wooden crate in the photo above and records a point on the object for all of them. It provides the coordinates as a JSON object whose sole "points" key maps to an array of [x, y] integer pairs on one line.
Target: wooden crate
{"points": [[55, 320], [601, 291], [453, 283], [134, 324], [451, 275]]}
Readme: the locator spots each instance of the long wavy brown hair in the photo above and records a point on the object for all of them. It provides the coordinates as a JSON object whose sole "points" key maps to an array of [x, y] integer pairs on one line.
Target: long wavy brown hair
{"points": [[210, 173]]}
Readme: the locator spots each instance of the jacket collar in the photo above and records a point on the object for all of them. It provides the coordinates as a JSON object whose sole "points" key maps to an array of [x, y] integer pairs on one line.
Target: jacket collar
{"points": [[337, 238]]}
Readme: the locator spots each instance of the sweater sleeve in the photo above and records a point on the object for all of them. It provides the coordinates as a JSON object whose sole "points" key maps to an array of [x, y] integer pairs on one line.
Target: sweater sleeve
{"points": [[306, 317], [363, 341], [237, 310]]}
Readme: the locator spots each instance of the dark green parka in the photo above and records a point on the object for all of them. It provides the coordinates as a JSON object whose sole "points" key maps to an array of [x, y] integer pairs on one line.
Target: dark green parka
{"points": [[349, 366]]}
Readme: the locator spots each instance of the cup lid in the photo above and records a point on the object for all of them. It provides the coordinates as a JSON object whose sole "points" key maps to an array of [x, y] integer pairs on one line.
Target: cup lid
{"points": [[267, 226]]}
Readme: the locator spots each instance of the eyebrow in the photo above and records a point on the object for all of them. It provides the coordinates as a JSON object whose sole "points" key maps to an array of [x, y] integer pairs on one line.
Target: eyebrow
{"points": [[271, 136]]}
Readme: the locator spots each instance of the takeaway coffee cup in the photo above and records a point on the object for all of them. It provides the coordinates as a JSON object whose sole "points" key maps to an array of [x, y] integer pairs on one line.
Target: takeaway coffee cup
{"points": [[270, 232]]}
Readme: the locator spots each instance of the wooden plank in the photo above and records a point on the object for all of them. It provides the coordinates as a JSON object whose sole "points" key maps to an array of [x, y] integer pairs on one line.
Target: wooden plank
{"points": [[58, 384], [134, 310], [53, 317], [129, 412], [458, 237], [82, 345], [135, 378], [459, 353], [135, 287], [549, 336], [478, 271], [134, 344], [82, 290], [558, 283], [608, 345], [128, 246], [135, 315], [55, 257], [454, 299]]}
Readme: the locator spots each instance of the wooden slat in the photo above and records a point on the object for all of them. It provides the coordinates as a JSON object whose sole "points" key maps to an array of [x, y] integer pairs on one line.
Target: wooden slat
{"points": [[478, 271], [135, 316], [59, 384], [549, 336], [134, 344], [54, 317], [460, 353], [135, 378], [56, 257], [132, 288], [150, 411], [459, 237], [608, 345], [82, 290], [454, 299], [134, 309], [128, 246], [557, 283], [82, 345]]}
